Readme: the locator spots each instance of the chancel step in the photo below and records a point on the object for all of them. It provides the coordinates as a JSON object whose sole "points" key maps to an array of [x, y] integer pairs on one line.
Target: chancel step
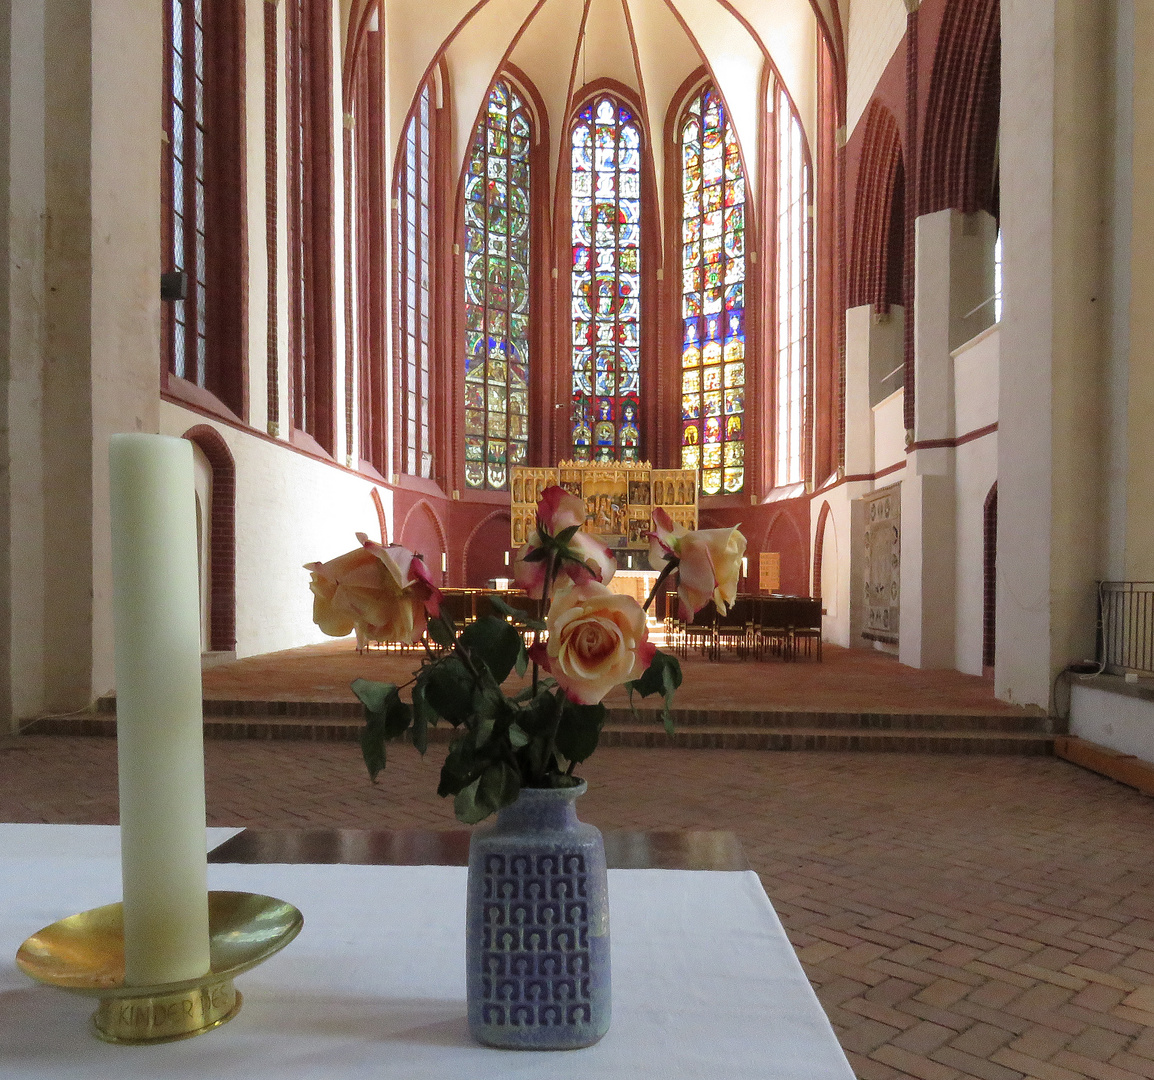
{"points": [[958, 733]]}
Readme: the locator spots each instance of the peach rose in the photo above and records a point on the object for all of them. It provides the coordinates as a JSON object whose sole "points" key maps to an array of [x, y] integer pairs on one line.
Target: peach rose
{"points": [[709, 562], [597, 640], [383, 593], [587, 558]]}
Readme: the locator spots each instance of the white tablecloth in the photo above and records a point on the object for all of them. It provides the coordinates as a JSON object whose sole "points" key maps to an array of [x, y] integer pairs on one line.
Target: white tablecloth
{"points": [[705, 983]]}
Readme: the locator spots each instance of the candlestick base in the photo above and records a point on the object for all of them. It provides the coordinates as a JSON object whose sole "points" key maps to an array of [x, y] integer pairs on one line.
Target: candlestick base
{"points": [[85, 954]]}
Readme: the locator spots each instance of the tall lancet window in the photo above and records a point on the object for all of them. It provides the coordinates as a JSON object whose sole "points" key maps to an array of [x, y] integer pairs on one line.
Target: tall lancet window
{"points": [[201, 198], [712, 297], [187, 192], [606, 191], [414, 281], [793, 260], [497, 292]]}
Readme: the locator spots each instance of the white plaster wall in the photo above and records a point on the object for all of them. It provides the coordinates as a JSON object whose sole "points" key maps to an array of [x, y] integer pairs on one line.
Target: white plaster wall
{"points": [[889, 431], [125, 237], [290, 509], [1023, 670], [976, 382], [837, 563], [1122, 723], [859, 447], [876, 29], [975, 470]]}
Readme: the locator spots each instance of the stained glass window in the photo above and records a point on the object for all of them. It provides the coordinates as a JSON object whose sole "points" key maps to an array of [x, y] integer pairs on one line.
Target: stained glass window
{"points": [[792, 294], [712, 297], [606, 283], [497, 292], [414, 271]]}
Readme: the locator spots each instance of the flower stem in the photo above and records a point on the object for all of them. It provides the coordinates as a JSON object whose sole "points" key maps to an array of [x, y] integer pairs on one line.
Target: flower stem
{"points": [[542, 610], [670, 566]]}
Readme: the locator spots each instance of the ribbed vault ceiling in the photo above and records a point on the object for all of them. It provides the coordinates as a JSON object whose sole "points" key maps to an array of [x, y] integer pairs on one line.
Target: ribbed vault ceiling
{"points": [[650, 46]]}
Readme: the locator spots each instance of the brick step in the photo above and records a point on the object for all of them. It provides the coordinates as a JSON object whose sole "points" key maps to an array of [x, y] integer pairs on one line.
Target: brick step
{"points": [[327, 712], [617, 732]]}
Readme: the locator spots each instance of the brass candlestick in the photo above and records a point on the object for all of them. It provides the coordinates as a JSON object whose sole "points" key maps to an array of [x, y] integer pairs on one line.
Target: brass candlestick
{"points": [[85, 954]]}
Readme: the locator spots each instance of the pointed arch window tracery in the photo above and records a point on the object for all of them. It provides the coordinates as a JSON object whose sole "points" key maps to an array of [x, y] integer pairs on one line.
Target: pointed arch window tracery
{"points": [[793, 273], [497, 301], [605, 185], [712, 296]]}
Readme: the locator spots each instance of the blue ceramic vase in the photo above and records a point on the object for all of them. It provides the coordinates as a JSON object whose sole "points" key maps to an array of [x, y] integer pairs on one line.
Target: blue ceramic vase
{"points": [[537, 926]]}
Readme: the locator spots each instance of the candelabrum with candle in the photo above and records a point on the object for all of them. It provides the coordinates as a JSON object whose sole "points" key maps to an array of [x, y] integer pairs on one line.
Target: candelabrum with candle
{"points": [[161, 962], [85, 954]]}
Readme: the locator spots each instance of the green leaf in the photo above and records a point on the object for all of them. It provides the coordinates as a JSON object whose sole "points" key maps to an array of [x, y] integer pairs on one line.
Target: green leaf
{"points": [[448, 688], [517, 736], [373, 750], [522, 664], [484, 729], [505, 609], [442, 631], [465, 804], [373, 696], [494, 642], [579, 730], [566, 535], [663, 676], [423, 716], [500, 785], [460, 767], [537, 554], [386, 715]]}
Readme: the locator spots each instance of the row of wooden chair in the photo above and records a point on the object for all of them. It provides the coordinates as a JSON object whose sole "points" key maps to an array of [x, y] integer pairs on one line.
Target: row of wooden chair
{"points": [[465, 606], [755, 625]]}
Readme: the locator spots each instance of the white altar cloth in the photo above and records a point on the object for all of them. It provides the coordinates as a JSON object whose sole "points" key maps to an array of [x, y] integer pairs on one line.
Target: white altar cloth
{"points": [[705, 984]]}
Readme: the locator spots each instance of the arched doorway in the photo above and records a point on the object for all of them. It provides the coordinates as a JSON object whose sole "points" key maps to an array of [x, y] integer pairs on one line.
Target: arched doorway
{"points": [[215, 473]]}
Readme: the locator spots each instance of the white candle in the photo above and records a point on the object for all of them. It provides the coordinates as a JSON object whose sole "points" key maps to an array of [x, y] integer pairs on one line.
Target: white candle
{"points": [[159, 715]]}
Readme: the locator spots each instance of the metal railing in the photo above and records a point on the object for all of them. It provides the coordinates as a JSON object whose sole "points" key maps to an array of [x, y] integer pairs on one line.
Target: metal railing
{"points": [[1126, 626]]}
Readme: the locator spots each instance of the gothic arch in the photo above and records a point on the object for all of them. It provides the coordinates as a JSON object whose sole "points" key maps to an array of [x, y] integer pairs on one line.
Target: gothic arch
{"points": [[877, 242], [784, 532], [222, 545], [414, 536], [819, 549], [959, 155], [481, 534]]}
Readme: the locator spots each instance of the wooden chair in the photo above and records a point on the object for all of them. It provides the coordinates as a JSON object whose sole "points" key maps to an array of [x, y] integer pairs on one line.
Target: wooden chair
{"points": [[735, 628], [701, 633]]}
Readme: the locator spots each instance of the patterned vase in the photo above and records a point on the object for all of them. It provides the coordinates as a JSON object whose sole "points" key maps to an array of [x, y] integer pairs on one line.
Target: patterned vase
{"points": [[537, 926]]}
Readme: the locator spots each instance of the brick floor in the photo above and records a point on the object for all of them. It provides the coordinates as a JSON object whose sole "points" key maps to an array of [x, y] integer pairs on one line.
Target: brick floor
{"points": [[960, 917]]}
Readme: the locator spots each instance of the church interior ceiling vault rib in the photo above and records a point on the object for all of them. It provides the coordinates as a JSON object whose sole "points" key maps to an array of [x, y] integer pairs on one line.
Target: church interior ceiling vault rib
{"points": [[648, 46]]}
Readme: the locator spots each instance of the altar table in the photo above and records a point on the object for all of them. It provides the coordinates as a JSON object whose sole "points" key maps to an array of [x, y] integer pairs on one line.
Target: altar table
{"points": [[705, 982]]}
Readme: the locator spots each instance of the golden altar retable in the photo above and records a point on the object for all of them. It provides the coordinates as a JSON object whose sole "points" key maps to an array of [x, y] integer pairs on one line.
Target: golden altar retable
{"points": [[619, 498]]}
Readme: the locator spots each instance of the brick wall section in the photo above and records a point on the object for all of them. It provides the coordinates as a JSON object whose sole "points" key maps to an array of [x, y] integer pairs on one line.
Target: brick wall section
{"points": [[909, 277], [222, 537], [270, 212], [880, 174], [961, 121]]}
